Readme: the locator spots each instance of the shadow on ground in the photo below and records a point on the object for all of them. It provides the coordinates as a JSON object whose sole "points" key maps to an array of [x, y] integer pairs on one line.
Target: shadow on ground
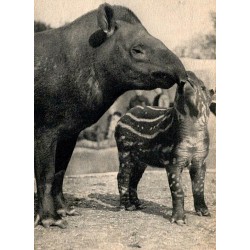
{"points": [[104, 225], [110, 202]]}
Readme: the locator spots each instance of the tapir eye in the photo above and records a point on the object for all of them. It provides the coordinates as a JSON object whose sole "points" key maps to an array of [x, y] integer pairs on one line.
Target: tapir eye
{"points": [[117, 26], [203, 88], [137, 51]]}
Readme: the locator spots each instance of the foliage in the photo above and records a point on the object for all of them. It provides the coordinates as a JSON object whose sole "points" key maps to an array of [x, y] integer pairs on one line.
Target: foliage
{"points": [[40, 26], [201, 46]]}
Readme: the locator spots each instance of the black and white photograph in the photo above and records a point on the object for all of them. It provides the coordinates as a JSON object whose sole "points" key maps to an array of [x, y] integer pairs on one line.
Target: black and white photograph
{"points": [[125, 124]]}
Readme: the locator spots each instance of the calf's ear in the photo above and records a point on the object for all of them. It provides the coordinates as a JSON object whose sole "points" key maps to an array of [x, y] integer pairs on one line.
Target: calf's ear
{"points": [[105, 18], [212, 106], [212, 92]]}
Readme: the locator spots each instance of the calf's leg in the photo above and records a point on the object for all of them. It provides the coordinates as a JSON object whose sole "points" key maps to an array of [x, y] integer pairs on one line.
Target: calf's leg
{"points": [[125, 170], [197, 174], [175, 184], [134, 180]]}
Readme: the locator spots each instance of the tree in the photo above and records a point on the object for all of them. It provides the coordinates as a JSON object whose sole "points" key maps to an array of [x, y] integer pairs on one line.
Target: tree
{"points": [[40, 26], [201, 46]]}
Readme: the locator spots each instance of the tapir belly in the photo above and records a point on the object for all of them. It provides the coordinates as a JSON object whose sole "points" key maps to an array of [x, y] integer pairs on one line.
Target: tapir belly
{"points": [[162, 156], [156, 156]]}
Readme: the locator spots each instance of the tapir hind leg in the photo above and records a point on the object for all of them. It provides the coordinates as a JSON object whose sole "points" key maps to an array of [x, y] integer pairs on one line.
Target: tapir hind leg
{"points": [[197, 174], [64, 150], [136, 175], [45, 149]]}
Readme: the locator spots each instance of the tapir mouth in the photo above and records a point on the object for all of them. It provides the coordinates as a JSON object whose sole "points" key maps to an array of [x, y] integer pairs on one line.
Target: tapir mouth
{"points": [[160, 75], [167, 80], [186, 87], [163, 79]]}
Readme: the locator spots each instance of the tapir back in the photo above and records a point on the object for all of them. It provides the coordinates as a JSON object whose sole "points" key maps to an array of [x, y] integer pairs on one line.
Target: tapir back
{"points": [[66, 86], [83, 33], [145, 124]]}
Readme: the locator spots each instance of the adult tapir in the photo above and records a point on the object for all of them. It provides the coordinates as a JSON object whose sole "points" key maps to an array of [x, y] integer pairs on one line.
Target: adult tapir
{"points": [[80, 70]]}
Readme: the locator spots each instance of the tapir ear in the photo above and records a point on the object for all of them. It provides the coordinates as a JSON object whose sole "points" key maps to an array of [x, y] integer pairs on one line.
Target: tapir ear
{"points": [[105, 18]]}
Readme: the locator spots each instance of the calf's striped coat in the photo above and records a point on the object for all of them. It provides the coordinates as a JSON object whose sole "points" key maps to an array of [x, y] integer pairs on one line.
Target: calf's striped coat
{"points": [[171, 138]]}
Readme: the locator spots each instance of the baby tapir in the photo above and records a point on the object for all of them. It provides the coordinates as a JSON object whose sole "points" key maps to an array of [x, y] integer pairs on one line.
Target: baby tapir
{"points": [[172, 138]]}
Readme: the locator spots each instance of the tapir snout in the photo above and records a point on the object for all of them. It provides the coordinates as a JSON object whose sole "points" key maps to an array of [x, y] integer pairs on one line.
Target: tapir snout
{"points": [[170, 71]]}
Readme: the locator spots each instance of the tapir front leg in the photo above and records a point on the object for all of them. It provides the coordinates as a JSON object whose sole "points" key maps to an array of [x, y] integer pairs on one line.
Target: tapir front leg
{"points": [[64, 150], [123, 178], [45, 150], [197, 174], [175, 184]]}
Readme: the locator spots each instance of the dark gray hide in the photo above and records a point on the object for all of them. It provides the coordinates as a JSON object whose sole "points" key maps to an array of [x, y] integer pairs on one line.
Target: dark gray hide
{"points": [[80, 70]]}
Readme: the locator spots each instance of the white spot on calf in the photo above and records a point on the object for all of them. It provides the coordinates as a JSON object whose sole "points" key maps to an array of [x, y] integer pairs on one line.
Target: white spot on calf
{"points": [[165, 162], [179, 195], [124, 190], [167, 149], [126, 154]]}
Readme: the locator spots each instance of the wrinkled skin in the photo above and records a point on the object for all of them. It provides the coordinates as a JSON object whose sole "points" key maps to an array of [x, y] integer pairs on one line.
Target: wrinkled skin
{"points": [[80, 70], [173, 139]]}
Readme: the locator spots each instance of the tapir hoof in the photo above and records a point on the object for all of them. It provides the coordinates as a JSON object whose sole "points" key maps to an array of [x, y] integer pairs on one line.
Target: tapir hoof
{"points": [[203, 212], [178, 220], [50, 222], [139, 205], [37, 220], [131, 208], [68, 211]]}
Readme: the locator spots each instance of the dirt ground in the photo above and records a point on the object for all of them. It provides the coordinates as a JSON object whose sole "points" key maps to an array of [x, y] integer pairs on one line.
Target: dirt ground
{"points": [[102, 225]]}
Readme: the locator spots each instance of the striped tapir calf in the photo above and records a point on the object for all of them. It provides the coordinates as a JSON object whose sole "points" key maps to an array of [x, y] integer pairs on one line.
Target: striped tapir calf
{"points": [[171, 138]]}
